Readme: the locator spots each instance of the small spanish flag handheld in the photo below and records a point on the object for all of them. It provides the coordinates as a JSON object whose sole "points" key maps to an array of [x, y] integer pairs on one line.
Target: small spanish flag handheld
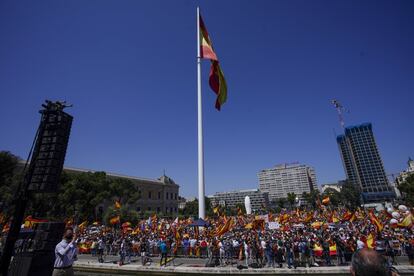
{"points": [[115, 220], [374, 220], [326, 200]]}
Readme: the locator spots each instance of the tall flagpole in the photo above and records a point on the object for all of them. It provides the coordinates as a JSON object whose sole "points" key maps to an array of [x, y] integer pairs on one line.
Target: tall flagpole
{"points": [[201, 205]]}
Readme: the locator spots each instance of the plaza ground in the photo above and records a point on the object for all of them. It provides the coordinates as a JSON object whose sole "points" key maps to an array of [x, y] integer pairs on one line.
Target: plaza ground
{"points": [[88, 265]]}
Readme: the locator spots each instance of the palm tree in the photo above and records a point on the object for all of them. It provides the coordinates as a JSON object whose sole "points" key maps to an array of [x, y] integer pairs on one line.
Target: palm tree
{"points": [[291, 198]]}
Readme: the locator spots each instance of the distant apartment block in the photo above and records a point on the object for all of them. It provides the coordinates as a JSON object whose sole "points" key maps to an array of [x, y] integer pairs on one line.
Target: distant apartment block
{"points": [[258, 199], [287, 178]]}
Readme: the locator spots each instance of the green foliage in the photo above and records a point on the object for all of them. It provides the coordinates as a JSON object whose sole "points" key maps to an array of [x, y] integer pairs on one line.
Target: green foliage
{"points": [[9, 180], [350, 196], [291, 198], [190, 209], [312, 197], [334, 196], [81, 194], [407, 190], [126, 214], [281, 203]]}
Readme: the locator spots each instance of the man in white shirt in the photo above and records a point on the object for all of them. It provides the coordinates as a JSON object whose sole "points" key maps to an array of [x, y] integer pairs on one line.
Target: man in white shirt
{"points": [[360, 244], [65, 254]]}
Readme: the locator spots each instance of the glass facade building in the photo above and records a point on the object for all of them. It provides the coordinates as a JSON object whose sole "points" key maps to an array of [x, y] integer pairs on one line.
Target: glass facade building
{"points": [[362, 163]]}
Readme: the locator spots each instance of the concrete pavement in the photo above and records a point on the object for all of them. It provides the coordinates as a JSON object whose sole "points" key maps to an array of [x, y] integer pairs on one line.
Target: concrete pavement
{"points": [[88, 265]]}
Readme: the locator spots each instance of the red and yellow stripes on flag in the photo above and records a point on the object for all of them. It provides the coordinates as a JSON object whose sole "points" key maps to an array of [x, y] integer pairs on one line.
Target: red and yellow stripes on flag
{"points": [[334, 217], [349, 216], [30, 221], [308, 217], [239, 211], [6, 228], [115, 220], [69, 221], [216, 78], [370, 241], [326, 200], [83, 225], [216, 210], [407, 221], [374, 220], [227, 226], [283, 218]]}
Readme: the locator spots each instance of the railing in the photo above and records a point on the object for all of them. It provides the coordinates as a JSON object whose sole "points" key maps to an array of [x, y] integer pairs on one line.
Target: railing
{"points": [[190, 252]]}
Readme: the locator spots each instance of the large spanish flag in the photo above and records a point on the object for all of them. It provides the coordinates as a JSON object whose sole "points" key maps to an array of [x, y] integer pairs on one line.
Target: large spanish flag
{"points": [[216, 79]]}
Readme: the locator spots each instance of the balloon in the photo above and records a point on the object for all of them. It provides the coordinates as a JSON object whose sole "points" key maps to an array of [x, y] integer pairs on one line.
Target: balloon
{"points": [[402, 208], [393, 221], [407, 212], [396, 215], [247, 205], [390, 210]]}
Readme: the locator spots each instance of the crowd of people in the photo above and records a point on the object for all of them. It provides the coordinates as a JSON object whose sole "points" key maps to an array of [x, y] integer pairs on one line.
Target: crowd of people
{"points": [[297, 238]]}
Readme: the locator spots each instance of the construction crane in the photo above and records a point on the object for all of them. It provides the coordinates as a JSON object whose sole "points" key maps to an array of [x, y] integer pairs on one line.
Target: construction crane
{"points": [[340, 109]]}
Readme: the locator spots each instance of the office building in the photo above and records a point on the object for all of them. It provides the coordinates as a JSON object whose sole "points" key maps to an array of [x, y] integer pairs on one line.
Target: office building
{"points": [[287, 178], [258, 199], [362, 163], [407, 172], [402, 177]]}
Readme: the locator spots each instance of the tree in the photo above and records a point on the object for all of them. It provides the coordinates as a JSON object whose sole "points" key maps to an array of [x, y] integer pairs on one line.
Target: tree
{"points": [[350, 196], [9, 180], [191, 208], [311, 197], [291, 198], [126, 214], [334, 196], [407, 190], [281, 202]]}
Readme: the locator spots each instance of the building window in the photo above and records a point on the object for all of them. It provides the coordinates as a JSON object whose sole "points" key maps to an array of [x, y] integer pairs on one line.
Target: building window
{"points": [[149, 209], [176, 199], [159, 195], [171, 210], [158, 209], [149, 194], [166, 210], [138, 209], [175, 209], [167, 195]]}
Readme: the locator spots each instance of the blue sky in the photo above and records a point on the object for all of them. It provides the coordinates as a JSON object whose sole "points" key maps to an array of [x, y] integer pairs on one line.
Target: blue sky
{"points": [[129, 69]]}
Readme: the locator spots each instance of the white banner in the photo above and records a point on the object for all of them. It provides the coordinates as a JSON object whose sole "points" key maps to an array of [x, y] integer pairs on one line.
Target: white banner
{"points": [[274, 225]]}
